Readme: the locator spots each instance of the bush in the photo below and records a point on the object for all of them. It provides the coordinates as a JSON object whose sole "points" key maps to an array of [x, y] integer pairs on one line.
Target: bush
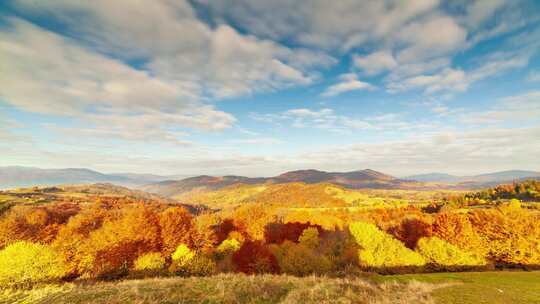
{"points": [[187, 262], [309, 238], [150, 262], [443, 255], [200, 265], [182, 255], [299, 260], [228, 246], [380, 250], [254, 257], [23, 263]]}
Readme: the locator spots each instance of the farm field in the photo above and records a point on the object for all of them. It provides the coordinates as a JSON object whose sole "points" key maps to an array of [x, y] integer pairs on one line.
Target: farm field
{"points": [[474, 287]]}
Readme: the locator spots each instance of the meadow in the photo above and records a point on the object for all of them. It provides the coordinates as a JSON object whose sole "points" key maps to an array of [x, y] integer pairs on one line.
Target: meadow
{"points": [[445, 288]]}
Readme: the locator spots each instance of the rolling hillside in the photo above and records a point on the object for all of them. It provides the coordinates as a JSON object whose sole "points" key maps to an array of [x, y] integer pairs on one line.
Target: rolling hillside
{"points": [[354, 180]]}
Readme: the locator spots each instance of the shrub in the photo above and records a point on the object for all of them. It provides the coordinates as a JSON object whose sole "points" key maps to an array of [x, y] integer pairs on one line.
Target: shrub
{"points": [[444, 255], [299, 260], [309, 238], [277, 233], [341, 249], [188, 262], [224, 253], [457, 230], [380, 250], [410, 230], [228, 246], [254, 257], [200, 265], [182, 255], [26, 263], [150, 262]]}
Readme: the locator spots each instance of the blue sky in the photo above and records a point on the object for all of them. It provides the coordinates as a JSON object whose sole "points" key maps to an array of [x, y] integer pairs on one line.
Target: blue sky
{"points": [[261, 87]]}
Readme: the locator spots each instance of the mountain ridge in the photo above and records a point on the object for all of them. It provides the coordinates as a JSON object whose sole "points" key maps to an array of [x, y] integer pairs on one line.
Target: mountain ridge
{"points": [[366, 178], [499, 176], [20, 176]]}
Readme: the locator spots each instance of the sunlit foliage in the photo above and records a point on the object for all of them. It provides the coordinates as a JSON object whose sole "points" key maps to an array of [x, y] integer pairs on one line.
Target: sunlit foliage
{"points": [[509, 235], [152, 261], [175, 224], [23, 263], [378, 249], [444, 255], [182, 255]]}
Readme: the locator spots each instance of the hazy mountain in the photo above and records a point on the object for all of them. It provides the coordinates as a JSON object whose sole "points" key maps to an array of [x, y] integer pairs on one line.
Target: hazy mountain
{"points": [[435, 177], [355, 179], [15, 176], [496, 177]]}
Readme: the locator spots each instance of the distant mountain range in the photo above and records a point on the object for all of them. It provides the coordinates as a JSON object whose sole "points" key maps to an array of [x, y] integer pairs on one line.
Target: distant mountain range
{"points": [[355, 179], [15, 177], [496, 177]]}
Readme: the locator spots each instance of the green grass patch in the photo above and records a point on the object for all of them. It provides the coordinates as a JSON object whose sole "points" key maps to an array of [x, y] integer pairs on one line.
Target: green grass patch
{"points": [[479, 287]]}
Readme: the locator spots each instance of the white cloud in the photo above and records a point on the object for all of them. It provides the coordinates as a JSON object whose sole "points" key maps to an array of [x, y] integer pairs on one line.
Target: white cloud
{"points": [[375, 63], [348, 82], [479, 11], [327, 119], [518, 109], [219, 61], [485, 150], [265, 141], [46, 73], [328, 25], [458, 80], [434, 37]]}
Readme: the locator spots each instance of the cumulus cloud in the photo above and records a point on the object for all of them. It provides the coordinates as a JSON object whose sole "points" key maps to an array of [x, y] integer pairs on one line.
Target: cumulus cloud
{"points": [[458, 80], [375, 63], [348, 82], [219, 61], [328, 25], [49, 74]]}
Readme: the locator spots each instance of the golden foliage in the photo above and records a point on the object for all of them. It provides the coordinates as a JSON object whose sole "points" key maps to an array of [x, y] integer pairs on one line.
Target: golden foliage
{"points": [[309, 238], [229, 246], [175, 224], [445, 255], [182, 255], [509, 235], [378, 249], [26, 263], [297, 259], [150, 262]]}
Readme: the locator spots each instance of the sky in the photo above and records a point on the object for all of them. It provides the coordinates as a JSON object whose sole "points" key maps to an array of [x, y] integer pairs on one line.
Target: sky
{"points": [[258, 88]]}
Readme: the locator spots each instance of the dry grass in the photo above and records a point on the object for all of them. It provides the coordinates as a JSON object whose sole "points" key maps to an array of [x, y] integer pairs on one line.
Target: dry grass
{"points": [[230, 288]]}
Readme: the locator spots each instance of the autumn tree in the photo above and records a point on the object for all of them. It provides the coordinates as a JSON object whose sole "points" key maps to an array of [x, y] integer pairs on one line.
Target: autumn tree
{"points": [[254, 257], [176, 225]]}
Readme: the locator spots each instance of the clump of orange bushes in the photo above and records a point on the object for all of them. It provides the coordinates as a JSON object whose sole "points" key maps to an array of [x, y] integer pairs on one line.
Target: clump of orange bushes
{"points": [[115, 238]]}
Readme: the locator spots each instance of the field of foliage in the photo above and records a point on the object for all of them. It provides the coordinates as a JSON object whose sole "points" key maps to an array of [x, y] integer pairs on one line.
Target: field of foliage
{"points": [[89, 234]]}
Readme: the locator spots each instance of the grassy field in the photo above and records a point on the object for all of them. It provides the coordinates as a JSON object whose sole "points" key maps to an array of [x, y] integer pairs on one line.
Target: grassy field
{"points": [[486, 287], [479, 287]]}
